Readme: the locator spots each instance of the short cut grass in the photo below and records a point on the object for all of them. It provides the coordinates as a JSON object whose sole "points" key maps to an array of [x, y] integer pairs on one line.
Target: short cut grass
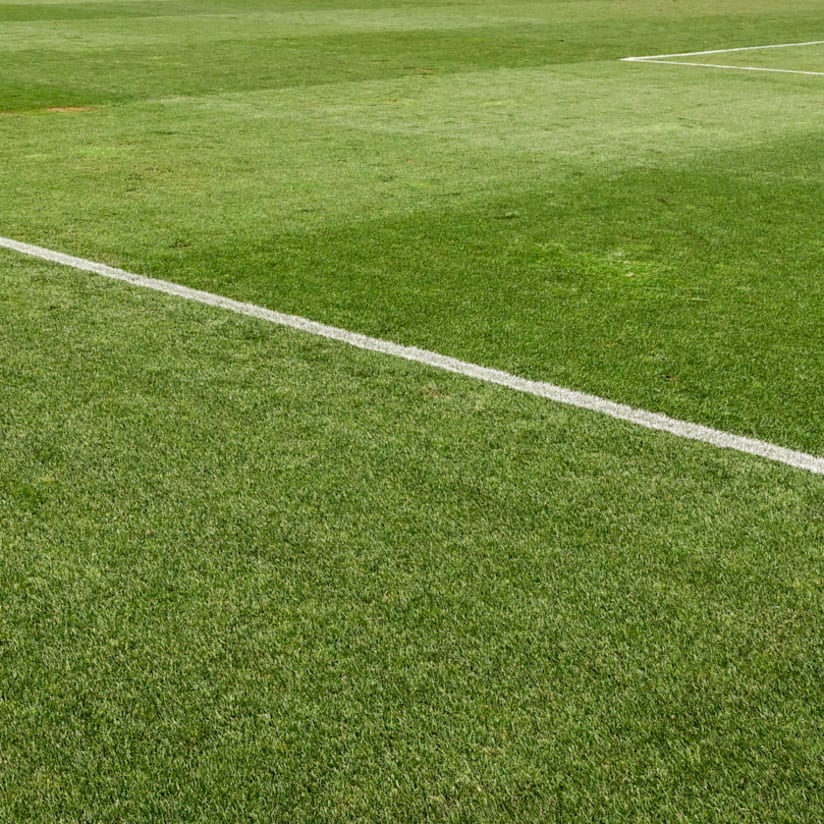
{"points": [[248, 575]]}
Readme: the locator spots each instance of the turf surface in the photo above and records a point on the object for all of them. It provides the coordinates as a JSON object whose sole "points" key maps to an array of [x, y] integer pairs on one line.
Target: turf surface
{"points": [[485, 180], [246, 575], [250, 576]]}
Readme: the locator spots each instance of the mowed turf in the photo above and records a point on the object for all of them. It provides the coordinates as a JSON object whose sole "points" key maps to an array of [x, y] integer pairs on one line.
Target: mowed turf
{"points": [[483, 179], [247, 575], [251, 575]]}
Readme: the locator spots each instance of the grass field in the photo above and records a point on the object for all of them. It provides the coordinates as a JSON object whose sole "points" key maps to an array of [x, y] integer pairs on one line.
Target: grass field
{"points": [[251, 575]]}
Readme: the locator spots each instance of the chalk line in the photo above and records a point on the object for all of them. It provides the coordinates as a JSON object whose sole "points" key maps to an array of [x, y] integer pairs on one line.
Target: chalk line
{"points": [[667, 59], [541, 389]]}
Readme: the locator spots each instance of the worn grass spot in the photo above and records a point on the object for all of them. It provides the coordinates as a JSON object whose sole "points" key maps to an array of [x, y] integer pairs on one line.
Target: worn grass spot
{"points": [[70, 109]]}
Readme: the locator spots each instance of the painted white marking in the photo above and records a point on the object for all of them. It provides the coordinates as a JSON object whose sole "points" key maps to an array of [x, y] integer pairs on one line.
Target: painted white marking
{"points": [[667, 59], [734, 68], [541, 389]]}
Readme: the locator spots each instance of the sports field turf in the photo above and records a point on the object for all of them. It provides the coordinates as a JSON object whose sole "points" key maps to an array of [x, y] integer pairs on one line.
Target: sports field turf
{"points": [[248, 575]]}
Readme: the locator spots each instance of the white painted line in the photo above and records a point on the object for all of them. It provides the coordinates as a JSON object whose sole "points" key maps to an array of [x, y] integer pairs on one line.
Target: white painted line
{"points": [[734, 68], [728, 51], [667, 59], [541, 389]]}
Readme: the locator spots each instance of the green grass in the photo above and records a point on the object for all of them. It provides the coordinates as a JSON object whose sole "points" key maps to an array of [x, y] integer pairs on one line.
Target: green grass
{"points": [[246, 575], [507, 193]]}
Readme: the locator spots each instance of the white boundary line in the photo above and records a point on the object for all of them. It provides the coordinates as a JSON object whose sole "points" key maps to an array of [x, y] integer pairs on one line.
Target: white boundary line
{"points": [[665, 58], [541, 389]]}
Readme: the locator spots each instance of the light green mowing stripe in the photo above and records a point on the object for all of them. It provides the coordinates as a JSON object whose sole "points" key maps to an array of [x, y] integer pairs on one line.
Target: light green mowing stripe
{"points": [[559, 394]]}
